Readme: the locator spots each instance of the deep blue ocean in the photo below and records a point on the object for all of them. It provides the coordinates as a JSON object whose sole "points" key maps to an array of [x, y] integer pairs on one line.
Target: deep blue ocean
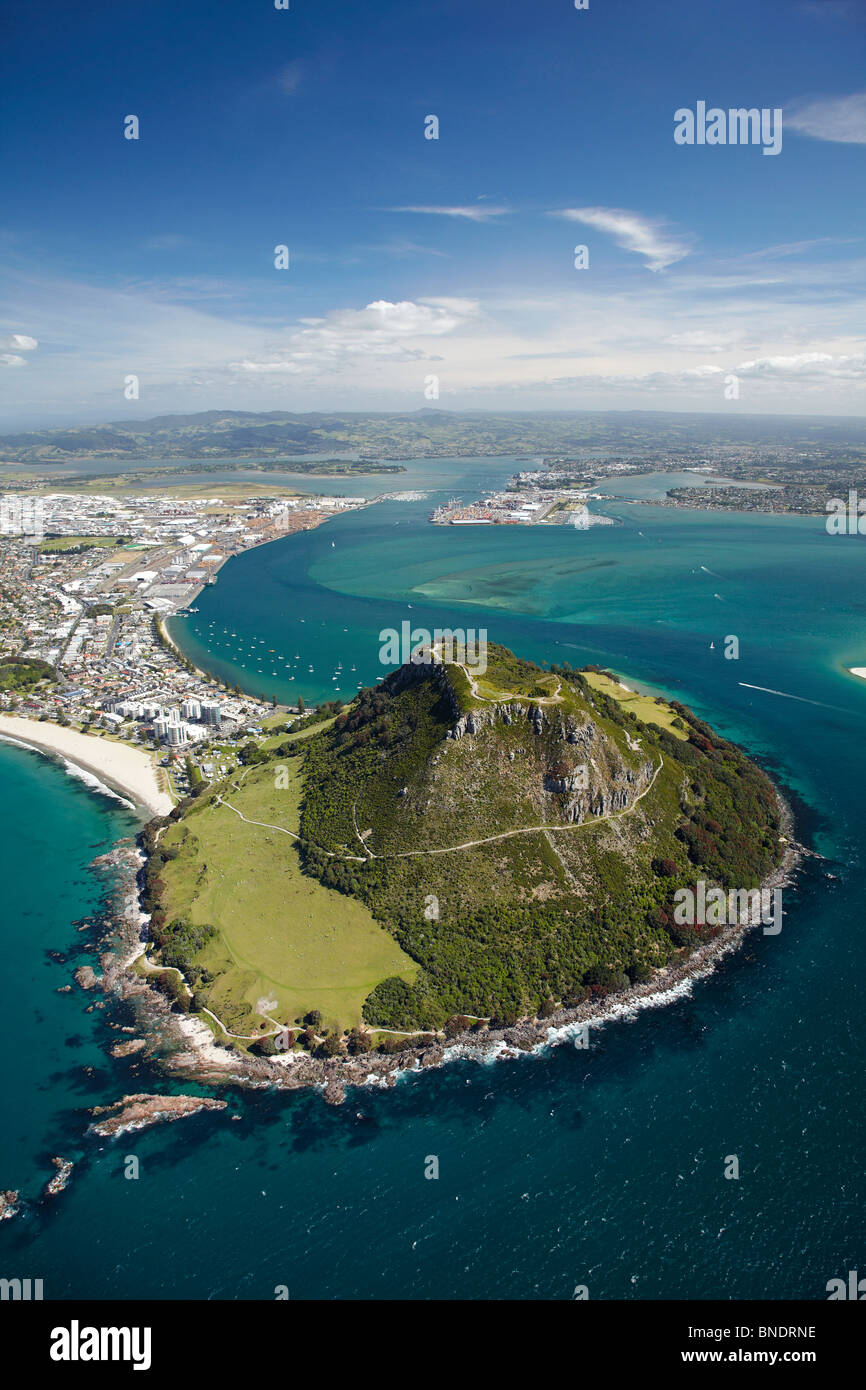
{"points": [[602, 1167]]}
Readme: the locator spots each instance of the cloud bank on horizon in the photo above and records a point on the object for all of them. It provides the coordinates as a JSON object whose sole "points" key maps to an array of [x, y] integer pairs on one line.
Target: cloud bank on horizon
{"points": [[249, 251]]}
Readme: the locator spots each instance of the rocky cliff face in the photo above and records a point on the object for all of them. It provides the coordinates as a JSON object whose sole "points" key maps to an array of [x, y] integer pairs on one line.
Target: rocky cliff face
{"points": [[581, 773], [572, 770], [432, 760]]}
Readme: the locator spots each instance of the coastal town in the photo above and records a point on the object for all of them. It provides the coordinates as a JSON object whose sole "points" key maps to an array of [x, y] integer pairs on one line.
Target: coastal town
{"points": [[87, 582]]}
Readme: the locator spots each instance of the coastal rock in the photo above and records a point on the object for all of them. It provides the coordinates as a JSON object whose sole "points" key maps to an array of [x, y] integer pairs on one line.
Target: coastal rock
{"points": [[8, 1205], [139, 1111], [87, 978], [60, 1180], [126, 1049]]}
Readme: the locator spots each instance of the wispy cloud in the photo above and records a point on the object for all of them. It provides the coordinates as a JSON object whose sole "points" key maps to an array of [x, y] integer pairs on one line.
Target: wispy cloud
{"points": [[797, 248], [839, 119], [814, 366], [167, 241], [700, 339], [645, 236], [834, 9], [290, 77], [403, 248], [471, 213]]}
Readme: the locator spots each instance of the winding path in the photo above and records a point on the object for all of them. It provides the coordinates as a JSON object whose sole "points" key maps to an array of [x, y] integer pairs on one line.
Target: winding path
{"points": [[263, 825], [449, 849], [526, 829]]}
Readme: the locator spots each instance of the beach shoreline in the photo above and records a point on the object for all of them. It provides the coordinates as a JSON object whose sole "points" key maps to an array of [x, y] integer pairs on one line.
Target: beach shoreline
{"points": [[127, 771]]}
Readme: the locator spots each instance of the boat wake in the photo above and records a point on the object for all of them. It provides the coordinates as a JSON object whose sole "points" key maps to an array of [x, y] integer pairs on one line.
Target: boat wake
{"points": [[786, 696]]}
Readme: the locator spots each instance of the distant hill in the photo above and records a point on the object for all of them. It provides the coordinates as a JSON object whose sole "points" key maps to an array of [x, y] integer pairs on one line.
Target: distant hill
{"points": [[215, 434]]}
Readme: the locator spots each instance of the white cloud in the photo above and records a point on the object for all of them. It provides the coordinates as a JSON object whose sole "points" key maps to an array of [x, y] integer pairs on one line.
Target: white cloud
{"points": [[645, 236], [699, 338], [21, 341], [661, 341], [840, 119], [815, 365], [382, 329], [470, 213]]}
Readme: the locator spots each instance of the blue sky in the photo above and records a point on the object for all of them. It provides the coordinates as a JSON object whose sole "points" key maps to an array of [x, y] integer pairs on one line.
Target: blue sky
{"points": [[412, 257]]}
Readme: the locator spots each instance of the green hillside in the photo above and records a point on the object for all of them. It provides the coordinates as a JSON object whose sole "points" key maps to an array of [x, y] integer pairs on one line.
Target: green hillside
{"points": [[628, 811], [450, 846]]}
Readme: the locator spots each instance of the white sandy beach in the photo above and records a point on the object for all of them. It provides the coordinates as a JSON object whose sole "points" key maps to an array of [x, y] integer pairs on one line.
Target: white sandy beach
{"points": [[129, 771], [858, 671]]}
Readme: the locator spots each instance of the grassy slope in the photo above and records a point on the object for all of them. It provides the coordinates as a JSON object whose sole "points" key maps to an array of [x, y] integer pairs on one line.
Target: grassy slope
{"points": [[282, 935], [643, 707]]}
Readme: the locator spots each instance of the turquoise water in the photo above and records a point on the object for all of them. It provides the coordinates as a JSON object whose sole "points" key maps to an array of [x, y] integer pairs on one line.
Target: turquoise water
{"points": [[53, 828], [602, 1167]]}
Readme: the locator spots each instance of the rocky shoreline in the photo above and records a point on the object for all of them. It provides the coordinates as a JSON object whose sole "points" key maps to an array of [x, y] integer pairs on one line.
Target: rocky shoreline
{"points": [[185, 1047]]}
